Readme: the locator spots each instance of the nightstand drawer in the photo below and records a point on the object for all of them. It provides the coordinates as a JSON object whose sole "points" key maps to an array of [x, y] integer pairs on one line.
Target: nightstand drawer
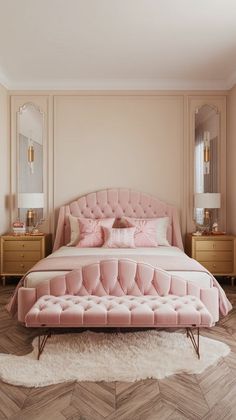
{"points": [[21, 255], [214, 256], [24, 245], [17, 267], [218, 267], [216, 253], [214, 245]]}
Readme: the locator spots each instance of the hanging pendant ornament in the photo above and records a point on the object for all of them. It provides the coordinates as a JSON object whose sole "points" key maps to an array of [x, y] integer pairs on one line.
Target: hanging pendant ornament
{"points": [[206, 140], [30, 154]]}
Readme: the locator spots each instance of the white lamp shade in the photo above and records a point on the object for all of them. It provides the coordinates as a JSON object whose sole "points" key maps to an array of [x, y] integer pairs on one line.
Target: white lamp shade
{"points": [[30, 201], [207, 200]]}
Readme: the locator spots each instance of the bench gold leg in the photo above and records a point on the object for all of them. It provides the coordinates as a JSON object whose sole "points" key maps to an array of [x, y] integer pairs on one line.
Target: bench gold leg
{"points": [[196, 344], [41, 343]]}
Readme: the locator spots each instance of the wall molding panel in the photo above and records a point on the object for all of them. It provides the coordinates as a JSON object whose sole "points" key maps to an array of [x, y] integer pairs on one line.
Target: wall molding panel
{"points": [[42, 102], [219, 103]]}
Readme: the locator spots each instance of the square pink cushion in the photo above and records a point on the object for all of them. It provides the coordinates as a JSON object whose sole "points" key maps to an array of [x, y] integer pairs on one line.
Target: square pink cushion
{"points": [[145, 232], [119, 237], [91, 233]]}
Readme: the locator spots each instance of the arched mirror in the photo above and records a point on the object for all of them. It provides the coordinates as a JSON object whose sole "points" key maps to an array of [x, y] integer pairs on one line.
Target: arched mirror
{"points": [[207, 165], [30, 183]]}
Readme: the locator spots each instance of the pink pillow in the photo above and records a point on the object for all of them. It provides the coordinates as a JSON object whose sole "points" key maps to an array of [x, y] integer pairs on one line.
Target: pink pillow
{"points": [[145, 231], [119, 238], [91, 233]]}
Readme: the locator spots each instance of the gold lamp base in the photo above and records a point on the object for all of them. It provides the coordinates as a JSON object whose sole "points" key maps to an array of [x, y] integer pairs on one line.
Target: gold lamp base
{"points": [[30, 220]]}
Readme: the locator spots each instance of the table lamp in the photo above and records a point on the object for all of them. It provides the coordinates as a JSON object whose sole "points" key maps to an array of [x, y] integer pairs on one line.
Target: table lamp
{"points": [[31, 201], [208, 202]]}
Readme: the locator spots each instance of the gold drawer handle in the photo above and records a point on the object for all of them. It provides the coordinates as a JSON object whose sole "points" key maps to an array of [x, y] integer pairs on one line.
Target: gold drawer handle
{"points": [[213, 246], [22, 245], [22, 256], [22, 265], [214, 265]]}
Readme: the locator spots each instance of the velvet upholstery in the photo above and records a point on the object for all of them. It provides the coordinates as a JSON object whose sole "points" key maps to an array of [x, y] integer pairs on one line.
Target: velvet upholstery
{"points": [[117, 203], [119, 237], [91, 231], [125, 311], [114, 280]]}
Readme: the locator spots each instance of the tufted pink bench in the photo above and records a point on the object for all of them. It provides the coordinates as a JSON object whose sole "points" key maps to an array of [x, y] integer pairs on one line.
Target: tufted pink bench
{"points": [[113, 311], [118, 293]]}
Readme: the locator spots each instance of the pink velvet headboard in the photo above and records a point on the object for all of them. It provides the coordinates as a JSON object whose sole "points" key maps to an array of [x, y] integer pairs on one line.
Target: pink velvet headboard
{"points": [[117, 203]]}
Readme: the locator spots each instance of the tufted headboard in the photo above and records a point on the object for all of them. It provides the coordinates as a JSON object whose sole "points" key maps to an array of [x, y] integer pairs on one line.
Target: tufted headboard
{"points": [[117, 203]]}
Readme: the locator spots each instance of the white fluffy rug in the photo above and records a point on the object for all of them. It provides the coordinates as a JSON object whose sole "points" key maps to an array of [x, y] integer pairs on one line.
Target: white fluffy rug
{"points": [[91, 356]]}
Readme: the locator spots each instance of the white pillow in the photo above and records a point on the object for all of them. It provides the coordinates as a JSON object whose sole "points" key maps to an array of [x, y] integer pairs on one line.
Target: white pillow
{"points": [[74, 230], [162, 226]]}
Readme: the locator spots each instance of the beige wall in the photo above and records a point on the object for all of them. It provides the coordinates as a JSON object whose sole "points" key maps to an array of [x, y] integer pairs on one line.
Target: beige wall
{"points": [[4, 160], [231, 161], [139, 140], [114, 141]]}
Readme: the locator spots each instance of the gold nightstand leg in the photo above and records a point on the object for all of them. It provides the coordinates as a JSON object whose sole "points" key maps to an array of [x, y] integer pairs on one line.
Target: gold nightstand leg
{"points": [[232, 281], [4, 281]]}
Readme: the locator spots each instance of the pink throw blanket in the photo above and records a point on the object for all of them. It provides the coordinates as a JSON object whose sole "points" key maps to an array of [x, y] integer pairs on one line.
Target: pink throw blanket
{"points": [[174, 263]]}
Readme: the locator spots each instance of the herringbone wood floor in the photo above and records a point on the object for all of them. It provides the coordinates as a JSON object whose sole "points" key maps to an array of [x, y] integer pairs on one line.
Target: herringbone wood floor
{"points": [[211, 395]]}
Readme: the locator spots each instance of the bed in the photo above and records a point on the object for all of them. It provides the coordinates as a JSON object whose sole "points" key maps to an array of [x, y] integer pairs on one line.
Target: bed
{"points": [[117, 204], [85, 256]]}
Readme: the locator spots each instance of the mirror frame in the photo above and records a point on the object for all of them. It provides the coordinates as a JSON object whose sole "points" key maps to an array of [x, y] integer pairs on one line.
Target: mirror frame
{"points": [[18, 103], [219, 104], [18, 114]]}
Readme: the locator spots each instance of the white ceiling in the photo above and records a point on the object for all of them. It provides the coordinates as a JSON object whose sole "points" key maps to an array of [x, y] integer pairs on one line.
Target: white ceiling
{"points": [[118, 44]]}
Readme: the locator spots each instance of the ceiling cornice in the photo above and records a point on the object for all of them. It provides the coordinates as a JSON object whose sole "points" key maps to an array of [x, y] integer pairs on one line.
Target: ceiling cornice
{"points": [[120, 84], [4, 80], [231, 81]]}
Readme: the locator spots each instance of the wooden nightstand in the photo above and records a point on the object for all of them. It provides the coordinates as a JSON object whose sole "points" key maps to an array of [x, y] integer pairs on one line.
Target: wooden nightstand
{"points": [[19, 253], [216, 253]]}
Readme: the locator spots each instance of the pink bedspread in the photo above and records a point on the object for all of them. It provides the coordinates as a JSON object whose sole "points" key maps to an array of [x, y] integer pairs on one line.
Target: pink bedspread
{"points": [[174, 263]]}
